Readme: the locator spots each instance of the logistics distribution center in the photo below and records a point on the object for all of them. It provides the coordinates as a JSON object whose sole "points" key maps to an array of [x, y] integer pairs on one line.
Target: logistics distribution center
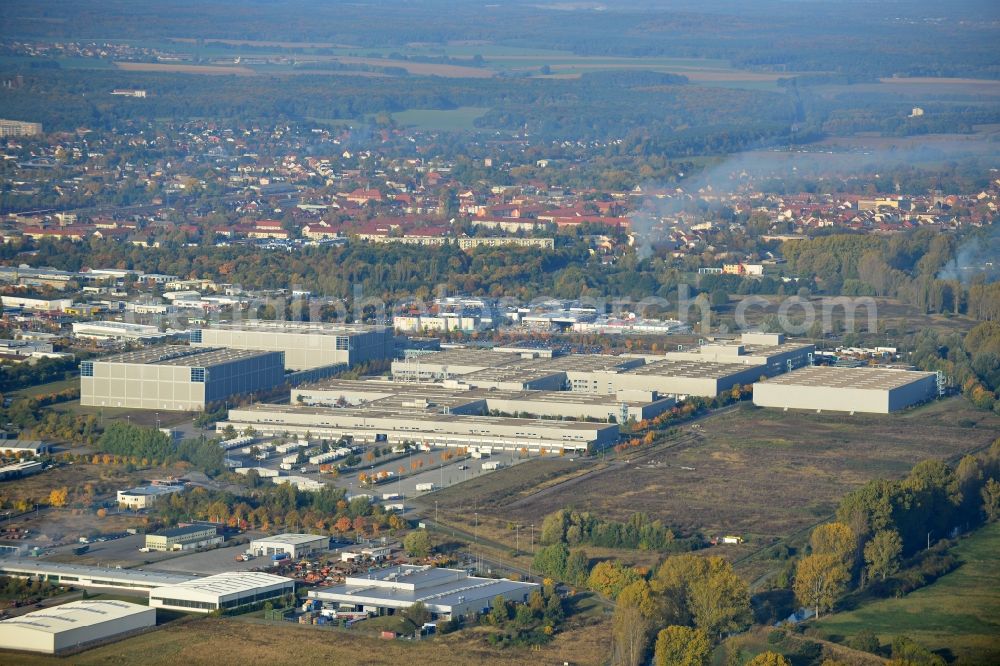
{"points": [[822, 388], [446, 593], [306, 345], [74, 625], [177, 378], [517, 399]]}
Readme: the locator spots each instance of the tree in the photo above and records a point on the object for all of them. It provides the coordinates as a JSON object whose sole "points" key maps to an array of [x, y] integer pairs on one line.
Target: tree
{"points": [[835, 539], [991, 500], [417, 613], [682, 646], [629, 634], [551, 560], [819, 581], [499, 613], [720, 601], [417, 543], [882, 553], [768, 659], [577, 567], [611, 577], [57, 497]]}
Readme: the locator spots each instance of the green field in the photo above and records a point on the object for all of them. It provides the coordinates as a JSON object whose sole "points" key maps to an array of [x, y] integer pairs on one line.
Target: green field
{"points": [[462, 118], [957, 616]]}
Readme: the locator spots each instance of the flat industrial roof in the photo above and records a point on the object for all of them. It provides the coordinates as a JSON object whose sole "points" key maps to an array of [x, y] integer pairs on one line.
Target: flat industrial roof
{"points": [[849, 378], [433, 586], [293, 539], [220, 585], [181, 531], [296, 327], [692, 369], [409, 415], [153, 490], [179, 355], [75, 615], [46, 568]]}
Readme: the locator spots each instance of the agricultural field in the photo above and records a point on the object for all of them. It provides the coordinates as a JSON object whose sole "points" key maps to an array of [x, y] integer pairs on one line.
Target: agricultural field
{"points": [[245, 640], [462, 118], [957, 616], [184, 69]]}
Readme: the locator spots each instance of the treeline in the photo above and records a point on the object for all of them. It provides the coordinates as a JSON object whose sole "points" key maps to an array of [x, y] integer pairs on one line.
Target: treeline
{"points": [[917, 268], [22, 375], [639, 532], [972, 362], [885, 525], [266, 505], [133, 441]]}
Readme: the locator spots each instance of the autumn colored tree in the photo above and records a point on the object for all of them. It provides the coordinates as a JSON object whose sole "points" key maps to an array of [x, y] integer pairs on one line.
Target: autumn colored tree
{"points": [[58, 496], [819, 581], [682, 646], [835, 539], [768, 659]]}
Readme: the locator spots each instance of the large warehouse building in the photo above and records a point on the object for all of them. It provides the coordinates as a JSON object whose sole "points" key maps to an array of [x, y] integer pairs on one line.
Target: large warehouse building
{"points": [[597, 374], [189, 537], [306, 345], [177, 378], [74, 625], [221, 592], [455, 397], [446, 593], [822, 388], [445, 430]]}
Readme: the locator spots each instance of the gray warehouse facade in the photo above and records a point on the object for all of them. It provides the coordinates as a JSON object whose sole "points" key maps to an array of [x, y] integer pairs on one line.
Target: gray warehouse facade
{"points": [[305, 345], [865, 390], [177, 378]]}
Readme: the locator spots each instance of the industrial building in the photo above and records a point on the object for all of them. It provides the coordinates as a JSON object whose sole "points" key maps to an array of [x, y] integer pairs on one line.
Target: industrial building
{"points": [[296, 545], [143, 497], [447, 593], [74, 625], [79, 575], [867, 390], [769, 350], [221, 592], [119, 331], [177, 378], [183, 538], [444, 430], [18, 128], [305, 345], [456, 397], [581, 373], [30, 447]]}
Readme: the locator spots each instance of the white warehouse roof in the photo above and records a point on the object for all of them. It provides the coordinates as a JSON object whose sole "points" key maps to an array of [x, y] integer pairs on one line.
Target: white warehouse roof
{"points": [[292, 539], [221, 585], [80, 622]]}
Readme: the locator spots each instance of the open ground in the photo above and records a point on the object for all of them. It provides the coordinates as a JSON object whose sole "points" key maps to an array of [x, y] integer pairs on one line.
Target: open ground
{"points": [[247, 640]]}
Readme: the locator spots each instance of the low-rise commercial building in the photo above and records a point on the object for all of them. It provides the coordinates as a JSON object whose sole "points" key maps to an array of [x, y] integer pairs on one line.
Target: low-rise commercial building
{"points": [[823, 388], [183, 538], [118, 330], [221, 592], [143, 497], [74, 625], [295, 545], [305, 345], [177, 378], [447, 593]]}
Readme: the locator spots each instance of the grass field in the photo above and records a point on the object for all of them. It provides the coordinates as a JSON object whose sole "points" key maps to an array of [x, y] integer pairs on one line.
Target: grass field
{"points": [[957, 616], [462, 118], [43, 389], [184, 69], [241, 641]]}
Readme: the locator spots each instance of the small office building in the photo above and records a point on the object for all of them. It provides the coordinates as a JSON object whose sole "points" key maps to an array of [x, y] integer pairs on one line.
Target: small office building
{"points": [[183, 538], [143, 497]]}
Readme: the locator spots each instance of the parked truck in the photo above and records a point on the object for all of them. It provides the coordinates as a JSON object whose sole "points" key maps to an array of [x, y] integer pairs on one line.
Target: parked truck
{"points": [[277, 557], [425, 487], [493, 464]]}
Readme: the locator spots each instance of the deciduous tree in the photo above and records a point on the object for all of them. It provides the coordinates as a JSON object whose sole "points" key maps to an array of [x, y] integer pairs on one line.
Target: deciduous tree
{"points": [[882, 553], [682, 646], [819, 581]]}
